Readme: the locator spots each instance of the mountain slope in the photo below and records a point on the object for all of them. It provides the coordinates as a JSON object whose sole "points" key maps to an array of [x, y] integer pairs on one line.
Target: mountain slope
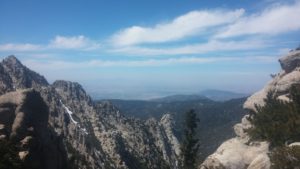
{"points": [[24, 122], [216, 118], [220, 95], [90, 135]]}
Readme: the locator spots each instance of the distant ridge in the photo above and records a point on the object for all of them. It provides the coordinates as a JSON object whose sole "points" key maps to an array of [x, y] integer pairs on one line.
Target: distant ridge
{"points": [[180, 98], [221, 95], [211, 94]]}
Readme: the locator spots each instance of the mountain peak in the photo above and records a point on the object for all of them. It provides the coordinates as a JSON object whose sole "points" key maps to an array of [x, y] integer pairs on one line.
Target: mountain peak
{"points": [[20, 75], [71, 89], [11, 59]]}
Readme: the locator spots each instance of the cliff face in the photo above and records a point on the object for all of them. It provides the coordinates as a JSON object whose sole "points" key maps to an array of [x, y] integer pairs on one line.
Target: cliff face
{"points": [[73, 131], [24, 122], [240, 152]]}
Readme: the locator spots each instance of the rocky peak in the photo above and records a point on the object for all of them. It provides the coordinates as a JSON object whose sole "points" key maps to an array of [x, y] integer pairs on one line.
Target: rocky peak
{"points": [[291, 61], [63, 84], [72, 90], [11, 60], [20, 75]]}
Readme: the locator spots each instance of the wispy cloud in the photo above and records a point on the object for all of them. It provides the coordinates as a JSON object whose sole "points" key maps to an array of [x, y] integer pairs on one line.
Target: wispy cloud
{"points": [[59, 42], [274, 20], [61, 65], [218, 29], [73, 42], [211, 46], [19, 47], [183, 26]]}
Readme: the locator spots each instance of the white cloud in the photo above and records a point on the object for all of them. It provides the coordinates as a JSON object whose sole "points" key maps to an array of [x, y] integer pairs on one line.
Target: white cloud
{"points": [[59, 42], [19, 47], [186, 25], [211, 46], [61, 65], [73, 42], [274, 20]]}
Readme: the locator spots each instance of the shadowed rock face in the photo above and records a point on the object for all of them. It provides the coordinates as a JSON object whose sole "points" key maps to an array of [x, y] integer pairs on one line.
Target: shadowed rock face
{"points": [[240, 152], [24, 122], [59, 126]]}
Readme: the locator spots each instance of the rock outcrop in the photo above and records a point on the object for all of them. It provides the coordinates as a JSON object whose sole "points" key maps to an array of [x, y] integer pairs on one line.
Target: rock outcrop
{"points": [[24, 122], [72, 131], [16, 76], [240, 152]]}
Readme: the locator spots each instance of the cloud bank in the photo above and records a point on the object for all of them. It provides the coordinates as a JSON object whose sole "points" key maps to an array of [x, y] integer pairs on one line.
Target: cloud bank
{"points": [[183, 26]]}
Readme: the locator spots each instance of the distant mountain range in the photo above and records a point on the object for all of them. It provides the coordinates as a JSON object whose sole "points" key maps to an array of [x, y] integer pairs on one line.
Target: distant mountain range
{"points": [[221, 95], [215, 95], [216, 118], [180, 98]]}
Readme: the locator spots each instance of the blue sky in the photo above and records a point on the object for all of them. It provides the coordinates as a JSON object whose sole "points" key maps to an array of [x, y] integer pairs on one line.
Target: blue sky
{"points": [[142, 49]]}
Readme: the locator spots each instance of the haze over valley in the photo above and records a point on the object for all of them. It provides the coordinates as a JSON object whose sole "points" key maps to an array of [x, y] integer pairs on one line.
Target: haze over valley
{"points": [[134, 84]]}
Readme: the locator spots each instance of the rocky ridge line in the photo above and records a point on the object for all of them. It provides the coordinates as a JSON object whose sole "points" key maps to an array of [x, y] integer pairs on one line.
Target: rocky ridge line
{"points": [[91, 135]]}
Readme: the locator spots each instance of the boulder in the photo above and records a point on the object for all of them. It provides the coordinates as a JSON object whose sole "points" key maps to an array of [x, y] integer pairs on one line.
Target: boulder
{"points": [[291, 61]]}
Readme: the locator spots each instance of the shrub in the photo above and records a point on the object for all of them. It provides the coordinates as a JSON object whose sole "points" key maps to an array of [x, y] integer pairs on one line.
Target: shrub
{"points": [[285, 158], [277, 121], [9, 156]]}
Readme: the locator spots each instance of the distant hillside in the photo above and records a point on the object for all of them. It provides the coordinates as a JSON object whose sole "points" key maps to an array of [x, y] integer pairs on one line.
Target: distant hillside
{"points": [[216, 118], [221, 95], [180, 98]]}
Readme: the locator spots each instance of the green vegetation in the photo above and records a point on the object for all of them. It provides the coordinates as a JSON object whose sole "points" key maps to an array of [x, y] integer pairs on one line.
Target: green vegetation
{"points": [[190, 145], [217, 118], [277, 122], [285, 157], [9, 156]]}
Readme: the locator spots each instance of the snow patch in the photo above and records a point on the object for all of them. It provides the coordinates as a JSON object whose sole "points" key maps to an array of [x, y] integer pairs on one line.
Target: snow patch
{"points": [[75, 122], [69, 112]]}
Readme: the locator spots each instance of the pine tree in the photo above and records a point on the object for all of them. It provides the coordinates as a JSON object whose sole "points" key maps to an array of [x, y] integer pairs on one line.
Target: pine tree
{"points": [[277, 122], [190, 144]]}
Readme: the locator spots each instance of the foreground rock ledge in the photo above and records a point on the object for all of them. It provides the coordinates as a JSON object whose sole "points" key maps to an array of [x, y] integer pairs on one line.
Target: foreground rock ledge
{"points": [[239, 152]]}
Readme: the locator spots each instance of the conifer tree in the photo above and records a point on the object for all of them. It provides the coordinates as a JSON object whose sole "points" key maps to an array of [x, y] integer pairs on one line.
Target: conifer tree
{"points": [[277, 121], [190, 144]]}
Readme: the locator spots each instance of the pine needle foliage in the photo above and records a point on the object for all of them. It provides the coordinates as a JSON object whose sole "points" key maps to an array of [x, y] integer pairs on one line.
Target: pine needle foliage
{"points": [[285, 157], [277, 122], [190, 144]]}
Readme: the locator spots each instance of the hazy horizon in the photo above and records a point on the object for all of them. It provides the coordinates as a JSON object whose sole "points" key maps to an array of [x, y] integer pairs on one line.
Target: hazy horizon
{"points": [[144, 49]]}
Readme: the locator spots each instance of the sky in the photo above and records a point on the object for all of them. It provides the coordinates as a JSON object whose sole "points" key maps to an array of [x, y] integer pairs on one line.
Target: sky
{"points": [[140, 49]]}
